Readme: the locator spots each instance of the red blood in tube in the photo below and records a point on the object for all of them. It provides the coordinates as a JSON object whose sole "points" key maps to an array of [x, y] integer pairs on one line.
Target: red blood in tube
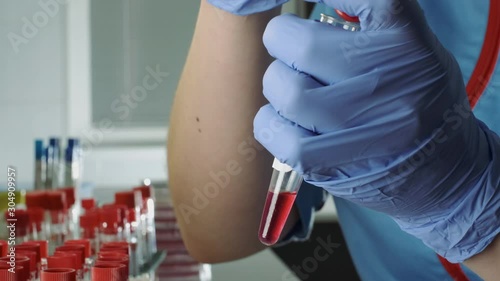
{"points": [[274, 216]]}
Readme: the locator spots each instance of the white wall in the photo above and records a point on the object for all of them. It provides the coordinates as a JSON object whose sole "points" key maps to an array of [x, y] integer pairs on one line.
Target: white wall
{"points": [[32, 76], [41, 50]]}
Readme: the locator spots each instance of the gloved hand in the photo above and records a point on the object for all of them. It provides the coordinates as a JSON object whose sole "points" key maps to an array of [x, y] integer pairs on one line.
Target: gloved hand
{"points": [[246, 7], [381, 117]]}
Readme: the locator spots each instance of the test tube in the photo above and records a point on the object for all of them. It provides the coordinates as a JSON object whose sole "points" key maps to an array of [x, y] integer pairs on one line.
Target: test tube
{"points": [[133, 200], [20, 226], [58, 274], [53, 159], [108, 272], [72, 212], [88, 253], [89, 229], [40, 165], [110, 224], [57, 205], [72, 159], [148, 220], [285, 182], [6, 273]]}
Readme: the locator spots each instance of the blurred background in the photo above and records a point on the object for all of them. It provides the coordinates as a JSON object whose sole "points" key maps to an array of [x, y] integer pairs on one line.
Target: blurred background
{"points": [[78, 69]]}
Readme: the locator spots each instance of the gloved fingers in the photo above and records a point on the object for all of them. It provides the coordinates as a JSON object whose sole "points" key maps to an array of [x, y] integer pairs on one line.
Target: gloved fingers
{"points": [[286, 89], [279, 136], [378, 14], [340, 154], [327, 53], [354, 151], [299, 98]]}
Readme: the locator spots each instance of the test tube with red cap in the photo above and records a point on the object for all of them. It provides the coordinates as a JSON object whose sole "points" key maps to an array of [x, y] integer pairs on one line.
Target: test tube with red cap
{"points": [[8, 273], [33, 253], [121, 248], [30, 263], [36, 204], [44, 247], [57, 206], [124, 260], [18, 223], [89, 228], [88, 253], [58, 274], [21, 266], [41, 249], [285, 182], [72, 212], [62, 261], [4, 248], [108, 272], [148, 220], [36, 219], [111, 223], [79, 250], [88, 204], [133, 200]]}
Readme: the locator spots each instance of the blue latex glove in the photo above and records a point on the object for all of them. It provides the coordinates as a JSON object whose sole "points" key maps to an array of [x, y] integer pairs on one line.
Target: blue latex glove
{"points": [[246, 7], [381, 117]]}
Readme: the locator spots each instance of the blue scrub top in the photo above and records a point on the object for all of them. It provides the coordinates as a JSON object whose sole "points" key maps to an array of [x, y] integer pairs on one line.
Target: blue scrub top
{"points": [[381, 251]]}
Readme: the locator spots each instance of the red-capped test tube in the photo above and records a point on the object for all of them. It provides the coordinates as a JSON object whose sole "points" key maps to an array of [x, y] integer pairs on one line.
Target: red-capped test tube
{"points": [[111, 223], [80, 251], [148, 220], [18, 223], [72, 212], [36, 203], [58, 274], [89, 228], [133, 201], [108, 272], [88, 254], [88, 204], [33, 252], [8, 273], [58, 208], [21, 266], [285, 182]]}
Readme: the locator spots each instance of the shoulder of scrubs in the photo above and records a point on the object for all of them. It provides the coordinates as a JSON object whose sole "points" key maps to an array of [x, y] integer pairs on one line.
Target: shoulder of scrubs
{"points": [[464, 39]]}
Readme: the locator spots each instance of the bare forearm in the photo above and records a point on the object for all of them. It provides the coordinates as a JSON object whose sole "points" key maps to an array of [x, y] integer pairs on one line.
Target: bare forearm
{"points": [[487, 263], [212, 153]]}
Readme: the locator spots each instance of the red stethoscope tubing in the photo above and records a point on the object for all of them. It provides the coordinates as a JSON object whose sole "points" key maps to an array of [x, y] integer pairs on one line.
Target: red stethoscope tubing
{"points": [[487, 61]]}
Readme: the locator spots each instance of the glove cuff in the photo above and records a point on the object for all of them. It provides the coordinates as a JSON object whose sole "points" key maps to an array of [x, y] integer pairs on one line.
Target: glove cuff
{"points": [[246, 7], [473, 223], [485, 201]]}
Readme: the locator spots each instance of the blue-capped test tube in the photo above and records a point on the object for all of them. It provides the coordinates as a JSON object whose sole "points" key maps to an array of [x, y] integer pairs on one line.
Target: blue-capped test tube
{"points": [[53, 159], [72, 159], [40, 165], [285, 182]]}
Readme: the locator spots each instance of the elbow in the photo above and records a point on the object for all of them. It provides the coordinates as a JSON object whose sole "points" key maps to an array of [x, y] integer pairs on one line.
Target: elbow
{"points": [[214, 250], [212, 254], [207, 255]]}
